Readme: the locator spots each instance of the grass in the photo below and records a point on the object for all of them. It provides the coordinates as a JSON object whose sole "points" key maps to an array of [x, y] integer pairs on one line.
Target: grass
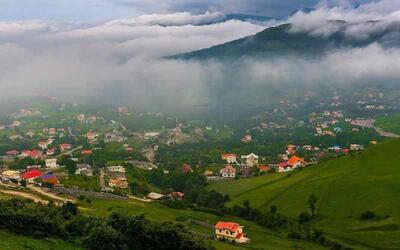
{"points": [[345, 187], [83, 182], [261, 237], [9, 241], [389, 123]]}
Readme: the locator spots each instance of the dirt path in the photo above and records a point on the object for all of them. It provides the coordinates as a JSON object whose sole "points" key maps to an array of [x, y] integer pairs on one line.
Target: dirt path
{"points": [[29, 196], [139, 199], [383, 133], [51, 195]]}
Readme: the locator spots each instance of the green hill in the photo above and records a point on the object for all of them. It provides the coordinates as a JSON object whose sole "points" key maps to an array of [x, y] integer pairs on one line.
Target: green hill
{"points": [[9, 241], [281, 41], [389, 123], [345, 188]]}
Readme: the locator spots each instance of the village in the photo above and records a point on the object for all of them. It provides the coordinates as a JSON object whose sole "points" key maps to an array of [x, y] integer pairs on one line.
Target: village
{"points": [[92, 155]]}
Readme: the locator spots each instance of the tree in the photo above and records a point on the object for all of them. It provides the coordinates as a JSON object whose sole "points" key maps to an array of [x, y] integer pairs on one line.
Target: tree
{"points": [[312, 201]]}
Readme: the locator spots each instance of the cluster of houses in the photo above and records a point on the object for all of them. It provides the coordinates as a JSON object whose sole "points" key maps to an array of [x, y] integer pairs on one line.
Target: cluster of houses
{"points": [[30, 175]]}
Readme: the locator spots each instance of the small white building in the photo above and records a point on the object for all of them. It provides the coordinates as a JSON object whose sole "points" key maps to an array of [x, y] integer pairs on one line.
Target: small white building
{"points": [[51, 163], [251, 159], [228, 172], [229, 158], [118, 169], [84, 169]]}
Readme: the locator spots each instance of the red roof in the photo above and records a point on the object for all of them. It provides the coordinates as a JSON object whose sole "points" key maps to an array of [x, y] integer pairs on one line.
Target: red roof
{"points": [[263, 168], [231, 226], [12, 152], [35, 154], [65, 146], [225, 156], [294, 159], [238, 236], [86, 152], [283, 164], [31, 174], [228, 169]]}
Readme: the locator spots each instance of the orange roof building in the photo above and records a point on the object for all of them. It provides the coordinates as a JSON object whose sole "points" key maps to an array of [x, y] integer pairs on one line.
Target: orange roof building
{"points": [[230, 231]]}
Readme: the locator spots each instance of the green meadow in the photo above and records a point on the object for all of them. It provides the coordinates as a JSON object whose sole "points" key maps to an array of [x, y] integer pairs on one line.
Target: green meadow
{"points": [[389, 123], [9, 241], [345, 188], [261, 237]]}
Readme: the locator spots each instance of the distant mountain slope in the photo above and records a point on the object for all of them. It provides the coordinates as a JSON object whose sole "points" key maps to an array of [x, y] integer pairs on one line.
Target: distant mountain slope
{"points": [[345, 187], [281, 40]]}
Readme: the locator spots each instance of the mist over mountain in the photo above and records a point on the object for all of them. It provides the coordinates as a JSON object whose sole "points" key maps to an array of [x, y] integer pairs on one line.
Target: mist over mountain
{"points": [[239, 64], [284, 40]]}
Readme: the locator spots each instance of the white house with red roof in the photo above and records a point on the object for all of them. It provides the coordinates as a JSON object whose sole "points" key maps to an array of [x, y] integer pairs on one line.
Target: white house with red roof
{"points": [[230, 231], [293, 163], [229, 158], [91, 135], [228, 172]]}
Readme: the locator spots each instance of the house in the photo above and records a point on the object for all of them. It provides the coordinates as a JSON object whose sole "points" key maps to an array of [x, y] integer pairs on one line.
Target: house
{"points": [[51, 163], [50, 151], [230, 231], [42, 144], [283, 167], [229, 158], [65, 146], [34, 154], [263, 168], [117, 169], [50, 178], [296, 162], [12, 153], [356, 147], [52, 131], [80, 117], [31, 174], [10, 174], [208, 173], [119, 182], [151, 135], [176, 195], [86, 152], [186, 168], [251, 159], [84, 169], [91, 135], [228, 172], [155, 196], [247, 138], [122, 110]]}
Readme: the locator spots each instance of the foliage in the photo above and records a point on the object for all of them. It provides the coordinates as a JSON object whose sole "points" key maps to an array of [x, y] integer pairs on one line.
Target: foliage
{"points": [[117, 231]]}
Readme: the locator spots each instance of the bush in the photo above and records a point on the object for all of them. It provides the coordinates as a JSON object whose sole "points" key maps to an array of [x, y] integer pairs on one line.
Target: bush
{"points": [[368, 215]]}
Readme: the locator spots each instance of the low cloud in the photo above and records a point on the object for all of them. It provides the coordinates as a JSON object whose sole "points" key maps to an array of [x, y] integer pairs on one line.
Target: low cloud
{"points": [[121, 62]]}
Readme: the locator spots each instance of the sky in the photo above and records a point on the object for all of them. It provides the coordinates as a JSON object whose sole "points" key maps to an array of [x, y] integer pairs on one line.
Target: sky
{"points": [[100, 10], [114, 51]]}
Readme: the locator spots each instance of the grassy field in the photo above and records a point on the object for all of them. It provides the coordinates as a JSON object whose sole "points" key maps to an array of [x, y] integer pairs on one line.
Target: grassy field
{"points": [[84, 182], [261, 237], [345, 187], [389, 123], [9, 241]]}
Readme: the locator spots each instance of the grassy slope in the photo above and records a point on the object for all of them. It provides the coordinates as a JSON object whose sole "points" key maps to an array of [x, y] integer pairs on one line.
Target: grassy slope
{"points": [[10, 241], [261, 237], [345, 187], [389, 123]]}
